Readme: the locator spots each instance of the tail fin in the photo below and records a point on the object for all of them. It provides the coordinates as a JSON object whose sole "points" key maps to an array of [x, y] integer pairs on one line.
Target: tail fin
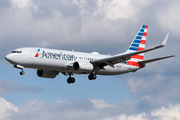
{"points": [[139, 43]]}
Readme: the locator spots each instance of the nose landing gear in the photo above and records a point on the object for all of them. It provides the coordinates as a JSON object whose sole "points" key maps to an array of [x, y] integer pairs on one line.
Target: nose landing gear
{"points": [[20, 67]]}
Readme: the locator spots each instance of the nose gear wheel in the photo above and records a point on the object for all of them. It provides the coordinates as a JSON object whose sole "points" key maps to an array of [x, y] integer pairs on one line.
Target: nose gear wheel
{"points": [[22, 72]]}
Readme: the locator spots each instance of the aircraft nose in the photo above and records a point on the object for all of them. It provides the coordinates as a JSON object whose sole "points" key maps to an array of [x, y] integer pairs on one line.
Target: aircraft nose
{"points": [[9, 57]]}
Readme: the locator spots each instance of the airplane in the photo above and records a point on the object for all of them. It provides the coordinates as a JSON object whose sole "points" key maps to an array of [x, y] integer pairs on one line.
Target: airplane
{"points": [[51, 62]]}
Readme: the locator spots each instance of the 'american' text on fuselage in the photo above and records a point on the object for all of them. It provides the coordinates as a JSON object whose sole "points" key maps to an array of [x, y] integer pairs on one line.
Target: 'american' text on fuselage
{"points": [[59, 56]]}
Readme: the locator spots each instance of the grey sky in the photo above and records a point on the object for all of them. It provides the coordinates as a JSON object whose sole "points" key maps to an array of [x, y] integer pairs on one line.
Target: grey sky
{"points": [[70, 24]]}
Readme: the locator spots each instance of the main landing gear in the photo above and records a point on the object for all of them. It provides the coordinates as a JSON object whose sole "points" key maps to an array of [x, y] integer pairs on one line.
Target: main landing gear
{"points": [[70, 79], [92, 76]]}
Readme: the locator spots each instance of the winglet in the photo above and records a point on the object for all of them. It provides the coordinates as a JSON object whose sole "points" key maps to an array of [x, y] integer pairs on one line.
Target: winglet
{"points": [[165, 40]]}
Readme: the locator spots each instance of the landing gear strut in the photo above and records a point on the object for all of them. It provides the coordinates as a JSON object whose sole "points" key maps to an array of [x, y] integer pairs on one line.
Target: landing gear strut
{"points": [[92, 76], [70, 79]]}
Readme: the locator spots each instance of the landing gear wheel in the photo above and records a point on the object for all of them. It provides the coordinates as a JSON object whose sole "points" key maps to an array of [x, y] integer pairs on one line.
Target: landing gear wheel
{"points": [[92, 76], [22, 73], [70, 80]]}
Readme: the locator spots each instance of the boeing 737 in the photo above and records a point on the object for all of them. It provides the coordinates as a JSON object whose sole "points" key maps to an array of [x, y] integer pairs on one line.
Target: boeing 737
{"points": [[51, 62]]}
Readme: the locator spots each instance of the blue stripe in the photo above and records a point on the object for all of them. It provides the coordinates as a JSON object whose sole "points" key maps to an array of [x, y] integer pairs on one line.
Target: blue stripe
{"points": [[143, 26], [142, 30], [135, 45], [133, 48], [137, 41], [138, 37], [140, 34]]}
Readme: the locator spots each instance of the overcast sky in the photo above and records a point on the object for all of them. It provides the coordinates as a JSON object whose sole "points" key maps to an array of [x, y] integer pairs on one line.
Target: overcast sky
{"points": [[105, 26]]}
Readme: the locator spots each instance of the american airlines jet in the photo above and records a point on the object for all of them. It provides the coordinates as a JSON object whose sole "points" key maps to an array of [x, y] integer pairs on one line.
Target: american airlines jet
{"points": [[50, 62]]}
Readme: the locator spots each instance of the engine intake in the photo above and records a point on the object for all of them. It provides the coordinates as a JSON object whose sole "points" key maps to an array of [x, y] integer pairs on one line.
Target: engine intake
{"points": [[47, 73], [83, 66]]}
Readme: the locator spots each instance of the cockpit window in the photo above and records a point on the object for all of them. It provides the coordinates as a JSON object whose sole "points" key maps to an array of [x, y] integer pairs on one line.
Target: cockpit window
{"points": [[16, 51], [19, 51]]}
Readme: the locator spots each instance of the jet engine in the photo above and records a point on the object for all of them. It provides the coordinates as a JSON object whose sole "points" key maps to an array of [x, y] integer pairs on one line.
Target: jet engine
{"points": [[82, 66], [47, 73]]}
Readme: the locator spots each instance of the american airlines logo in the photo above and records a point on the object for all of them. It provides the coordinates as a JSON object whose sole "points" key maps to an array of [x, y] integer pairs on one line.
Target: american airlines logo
{"points": [[37, 54], [59, 56]]}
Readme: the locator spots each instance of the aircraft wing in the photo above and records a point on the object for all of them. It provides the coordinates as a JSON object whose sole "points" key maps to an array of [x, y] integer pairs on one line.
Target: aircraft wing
{"points": [[123, 57]]}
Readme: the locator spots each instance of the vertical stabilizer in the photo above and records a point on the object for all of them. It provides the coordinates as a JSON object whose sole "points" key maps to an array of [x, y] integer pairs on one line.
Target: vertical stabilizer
{"points": [[139, 43]]}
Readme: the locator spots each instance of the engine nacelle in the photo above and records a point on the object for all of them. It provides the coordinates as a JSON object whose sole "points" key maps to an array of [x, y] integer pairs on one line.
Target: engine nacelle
{"points": [[47, 73], [83, 66]]}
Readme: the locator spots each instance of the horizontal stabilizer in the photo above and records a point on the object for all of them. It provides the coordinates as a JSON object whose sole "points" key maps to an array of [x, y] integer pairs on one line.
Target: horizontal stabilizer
{"points": [[156, 59]]}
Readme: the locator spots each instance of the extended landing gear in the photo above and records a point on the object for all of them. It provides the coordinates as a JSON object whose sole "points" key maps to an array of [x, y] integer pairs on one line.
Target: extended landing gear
{"points": [[20, 67], [92, 76], [70, 79]]}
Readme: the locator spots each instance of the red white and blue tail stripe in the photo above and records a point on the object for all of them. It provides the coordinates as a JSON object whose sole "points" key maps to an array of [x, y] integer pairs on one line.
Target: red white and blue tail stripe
{"points": [[138, 43]]}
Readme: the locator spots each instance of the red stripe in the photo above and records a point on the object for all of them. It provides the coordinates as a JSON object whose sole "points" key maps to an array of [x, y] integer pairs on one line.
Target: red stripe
{"points": [[138, 57], [143, 42], [139, 49], [146, 27], [135, 64], [144, 34]]}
